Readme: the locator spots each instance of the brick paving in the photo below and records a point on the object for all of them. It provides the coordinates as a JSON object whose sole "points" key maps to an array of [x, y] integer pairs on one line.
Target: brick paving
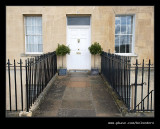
{"points": [[78, 95]]}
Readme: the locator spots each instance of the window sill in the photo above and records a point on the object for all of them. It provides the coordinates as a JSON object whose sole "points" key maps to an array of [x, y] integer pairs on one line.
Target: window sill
{"points": [[30, 55], [126, 54]]}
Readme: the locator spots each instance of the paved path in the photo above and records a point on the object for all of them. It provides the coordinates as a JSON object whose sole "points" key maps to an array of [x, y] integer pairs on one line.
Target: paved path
{"points": [[78, 95]]}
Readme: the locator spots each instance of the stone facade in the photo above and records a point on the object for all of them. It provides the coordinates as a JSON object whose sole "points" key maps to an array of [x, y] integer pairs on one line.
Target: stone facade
{"points": [[102, 28]]}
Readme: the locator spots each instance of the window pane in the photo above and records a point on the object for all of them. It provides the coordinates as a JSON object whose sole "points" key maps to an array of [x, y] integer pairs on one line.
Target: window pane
{"points": [[116, 44], [28, 21], [128, 44], [78, 20], [117, 30], [123, 20], [38, 30], [33, 21], [129, 20], [28, 30], [40, 48], [122, 48], [35, 48], [129, 39], [123, 29], [123, 40], [35, 39], [33, 30], [38, 21], [30, 39], [39, 39], [32, 47], [117, 20], [27, 48], [129, 30], [127, 48]]}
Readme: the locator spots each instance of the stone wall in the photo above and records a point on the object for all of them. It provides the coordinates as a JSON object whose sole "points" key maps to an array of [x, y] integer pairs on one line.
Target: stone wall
{"points": [[102, 28]]}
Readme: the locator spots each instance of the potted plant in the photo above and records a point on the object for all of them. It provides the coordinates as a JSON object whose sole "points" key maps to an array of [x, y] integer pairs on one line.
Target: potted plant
{"points": [[94, 50], [62, 50]]}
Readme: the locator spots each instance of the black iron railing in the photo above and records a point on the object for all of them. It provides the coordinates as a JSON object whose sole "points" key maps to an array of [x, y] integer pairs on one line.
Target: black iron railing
{"points": [[147, 102], [141, 105], [116, 70], [13, 71], [119, 73], [37, 71]]}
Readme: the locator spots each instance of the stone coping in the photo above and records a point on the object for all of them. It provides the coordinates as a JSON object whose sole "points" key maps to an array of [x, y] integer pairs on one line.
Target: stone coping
{"points": [[39, 100]]}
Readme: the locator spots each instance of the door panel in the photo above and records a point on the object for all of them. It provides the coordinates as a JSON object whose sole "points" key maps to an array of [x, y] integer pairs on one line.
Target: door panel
{"points": [[79, 57]]}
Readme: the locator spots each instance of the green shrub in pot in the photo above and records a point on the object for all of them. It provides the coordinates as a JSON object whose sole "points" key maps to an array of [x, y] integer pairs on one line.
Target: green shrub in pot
{"points": [[62, 50], [95, 49]]}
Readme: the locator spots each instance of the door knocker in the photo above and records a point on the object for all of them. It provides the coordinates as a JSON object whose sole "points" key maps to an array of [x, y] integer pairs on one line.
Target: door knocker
{"points": [[78, 40]]}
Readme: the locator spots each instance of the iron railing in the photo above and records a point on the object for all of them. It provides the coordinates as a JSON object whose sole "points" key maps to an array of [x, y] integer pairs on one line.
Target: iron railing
{"points": [[38, 71], [141, 105], [118, 71], [12, 78]]}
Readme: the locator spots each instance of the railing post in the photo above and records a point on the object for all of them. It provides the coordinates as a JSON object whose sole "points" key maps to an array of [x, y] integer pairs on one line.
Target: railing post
{"points": [[21, 83], [35, 84], [112, 72], [129, 67], [148, 83], [118, 76], [151, 100], [142, 82], [121, 75], [32, 86], [9, 84], [15, 84], [124, 82], [38, 74], [136, 73], [29, 100], [27, 86]]}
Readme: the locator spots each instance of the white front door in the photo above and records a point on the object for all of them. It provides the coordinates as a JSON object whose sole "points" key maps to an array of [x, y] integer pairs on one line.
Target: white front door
{"points": [[78, 39]]}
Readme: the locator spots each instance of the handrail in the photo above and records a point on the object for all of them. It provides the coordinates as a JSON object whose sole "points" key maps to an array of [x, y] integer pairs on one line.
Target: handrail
{"points": [[144, 98]]}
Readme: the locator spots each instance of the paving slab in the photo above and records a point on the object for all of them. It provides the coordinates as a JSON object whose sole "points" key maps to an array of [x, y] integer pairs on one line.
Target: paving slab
{"points": [[77, 78], [48, 108], [78, 104], [78, 84], [78, 95], [104, 107], [76, 113]]}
